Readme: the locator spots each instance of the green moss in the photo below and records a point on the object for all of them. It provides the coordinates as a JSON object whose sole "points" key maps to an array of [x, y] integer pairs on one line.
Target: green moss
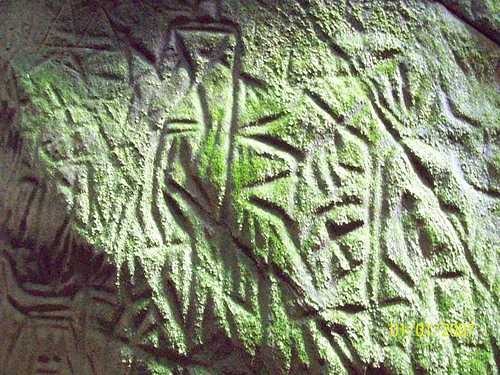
{"points": [[247, 169], [212, 161], [314, 103], [474, 361]]}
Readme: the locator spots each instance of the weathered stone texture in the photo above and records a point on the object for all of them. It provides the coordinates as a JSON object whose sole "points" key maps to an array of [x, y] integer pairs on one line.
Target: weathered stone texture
{"points": [[249, 187]]}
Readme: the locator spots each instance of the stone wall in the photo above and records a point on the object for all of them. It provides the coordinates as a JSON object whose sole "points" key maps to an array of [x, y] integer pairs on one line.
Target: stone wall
{"points": [[249, 187]]}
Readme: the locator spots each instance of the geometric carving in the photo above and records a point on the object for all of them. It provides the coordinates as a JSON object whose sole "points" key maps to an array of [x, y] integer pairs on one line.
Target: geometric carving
{"points": [[226, 187]]}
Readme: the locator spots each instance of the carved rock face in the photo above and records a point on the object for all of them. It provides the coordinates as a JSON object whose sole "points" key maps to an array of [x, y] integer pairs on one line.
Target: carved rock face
{"points": [[248, 187]]}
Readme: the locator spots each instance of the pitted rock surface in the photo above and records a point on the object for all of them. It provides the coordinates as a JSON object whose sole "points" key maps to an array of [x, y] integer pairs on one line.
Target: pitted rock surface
{"points": [[249, 187]]}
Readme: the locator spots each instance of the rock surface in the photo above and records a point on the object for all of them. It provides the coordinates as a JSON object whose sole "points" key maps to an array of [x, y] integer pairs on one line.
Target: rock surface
{"points": [[249, 187]]}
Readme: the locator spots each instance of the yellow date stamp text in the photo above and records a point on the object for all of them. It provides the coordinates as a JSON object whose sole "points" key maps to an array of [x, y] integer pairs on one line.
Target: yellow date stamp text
{"points": [[426, 329]]}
